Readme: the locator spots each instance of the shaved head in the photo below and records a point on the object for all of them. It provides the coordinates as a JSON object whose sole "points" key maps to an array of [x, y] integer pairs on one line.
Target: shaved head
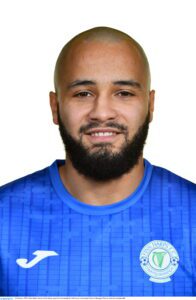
{"points": [[104, 35]]}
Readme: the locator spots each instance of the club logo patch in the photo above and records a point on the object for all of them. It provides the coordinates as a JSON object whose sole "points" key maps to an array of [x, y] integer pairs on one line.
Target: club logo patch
{"points": [[159, 259]]}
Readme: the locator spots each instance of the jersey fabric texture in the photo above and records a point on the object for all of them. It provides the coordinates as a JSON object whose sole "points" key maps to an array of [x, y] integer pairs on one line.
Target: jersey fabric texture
{"points": [[51, 244]]}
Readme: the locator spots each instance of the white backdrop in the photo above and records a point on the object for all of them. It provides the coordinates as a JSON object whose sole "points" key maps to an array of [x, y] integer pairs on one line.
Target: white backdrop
{"points": [[32, 34]]}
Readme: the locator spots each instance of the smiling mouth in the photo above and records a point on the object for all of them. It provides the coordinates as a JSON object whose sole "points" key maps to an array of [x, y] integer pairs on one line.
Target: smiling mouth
{"points": [[109, 133], [100, 136], [103, 132]]}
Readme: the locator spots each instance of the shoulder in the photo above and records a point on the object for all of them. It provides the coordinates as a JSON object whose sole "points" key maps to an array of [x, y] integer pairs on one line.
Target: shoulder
{"points": [[164, 173], [172, 181], [27, 184]]}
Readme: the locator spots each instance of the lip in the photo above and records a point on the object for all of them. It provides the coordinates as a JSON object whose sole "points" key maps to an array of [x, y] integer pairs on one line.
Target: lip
{"points": [[94, 139], [97, 130]]}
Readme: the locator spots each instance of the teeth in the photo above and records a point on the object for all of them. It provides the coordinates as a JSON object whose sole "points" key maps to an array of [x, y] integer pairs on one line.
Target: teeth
{"points": [[102, 133]]}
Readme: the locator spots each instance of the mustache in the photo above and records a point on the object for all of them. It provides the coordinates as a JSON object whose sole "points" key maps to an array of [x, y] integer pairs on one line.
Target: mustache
{"points": [[110, 124]]}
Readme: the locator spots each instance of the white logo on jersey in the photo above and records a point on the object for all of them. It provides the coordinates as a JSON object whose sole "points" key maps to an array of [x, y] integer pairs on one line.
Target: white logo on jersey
{"points": [[159, 259], [40, 254]]}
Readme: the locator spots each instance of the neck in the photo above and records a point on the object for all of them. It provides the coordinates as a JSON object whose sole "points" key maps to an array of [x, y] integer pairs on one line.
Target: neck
{"points": [[100, 193]]}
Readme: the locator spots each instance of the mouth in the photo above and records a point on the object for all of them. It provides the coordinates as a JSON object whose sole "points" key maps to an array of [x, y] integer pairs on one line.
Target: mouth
{"points": [[99, 135]]}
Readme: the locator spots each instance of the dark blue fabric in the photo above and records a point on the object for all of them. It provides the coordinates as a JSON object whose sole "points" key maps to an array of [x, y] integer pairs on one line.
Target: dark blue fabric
{"points": [[97, 248]]}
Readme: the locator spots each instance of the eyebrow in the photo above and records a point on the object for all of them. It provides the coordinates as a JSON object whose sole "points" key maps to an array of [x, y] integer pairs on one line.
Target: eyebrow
{"points": [[85, 82], [131, 83], [80, 82]]}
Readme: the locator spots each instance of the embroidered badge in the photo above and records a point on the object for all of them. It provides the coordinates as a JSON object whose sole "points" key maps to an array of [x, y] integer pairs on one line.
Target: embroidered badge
{"points": [[159, 259]]}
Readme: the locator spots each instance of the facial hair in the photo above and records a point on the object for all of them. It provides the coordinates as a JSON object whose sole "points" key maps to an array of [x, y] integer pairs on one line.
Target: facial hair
{"points": [[103, 164]]}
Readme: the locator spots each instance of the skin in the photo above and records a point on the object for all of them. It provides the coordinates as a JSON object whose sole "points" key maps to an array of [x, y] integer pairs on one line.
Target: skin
{"points": [[104, 63]]}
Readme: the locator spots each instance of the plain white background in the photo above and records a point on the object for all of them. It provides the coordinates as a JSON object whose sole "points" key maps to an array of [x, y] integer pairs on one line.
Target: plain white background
{"points": [[32, 34]]}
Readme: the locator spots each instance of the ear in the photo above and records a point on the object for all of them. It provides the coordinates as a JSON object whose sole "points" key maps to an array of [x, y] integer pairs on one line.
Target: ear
{"points": [[54, 106], [151, 103]]}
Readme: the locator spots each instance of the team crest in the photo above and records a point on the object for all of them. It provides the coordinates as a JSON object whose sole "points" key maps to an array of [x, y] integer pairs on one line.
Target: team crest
{"points": [[159, 259]]}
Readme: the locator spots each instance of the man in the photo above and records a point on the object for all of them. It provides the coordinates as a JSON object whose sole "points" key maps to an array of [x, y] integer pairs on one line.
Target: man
{"points": [[105, 222]]}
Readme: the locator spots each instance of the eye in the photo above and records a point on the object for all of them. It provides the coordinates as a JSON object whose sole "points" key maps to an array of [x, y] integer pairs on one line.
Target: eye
{"points": [[125, 94], [83, 94]]}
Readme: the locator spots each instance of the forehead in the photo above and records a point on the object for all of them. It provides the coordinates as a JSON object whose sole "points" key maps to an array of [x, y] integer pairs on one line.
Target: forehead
{"points": [[103, 61]]}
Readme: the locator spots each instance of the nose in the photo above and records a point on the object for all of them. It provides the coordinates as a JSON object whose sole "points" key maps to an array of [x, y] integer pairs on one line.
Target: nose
{"points": [[103, 109]]}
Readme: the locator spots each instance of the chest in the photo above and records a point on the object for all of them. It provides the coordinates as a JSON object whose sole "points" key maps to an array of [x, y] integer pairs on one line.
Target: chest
{"points": [[144, 250]]}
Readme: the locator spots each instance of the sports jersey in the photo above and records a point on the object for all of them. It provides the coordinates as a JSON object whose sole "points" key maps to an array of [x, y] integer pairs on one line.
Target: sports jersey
{"points": [[52, 244]]}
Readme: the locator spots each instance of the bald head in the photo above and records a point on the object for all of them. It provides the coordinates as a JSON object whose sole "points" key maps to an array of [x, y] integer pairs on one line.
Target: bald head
{"points": [[105, 35]]}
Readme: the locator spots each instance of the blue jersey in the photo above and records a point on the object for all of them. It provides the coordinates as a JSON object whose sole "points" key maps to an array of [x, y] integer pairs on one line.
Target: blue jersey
{"points": [[52, 244]]}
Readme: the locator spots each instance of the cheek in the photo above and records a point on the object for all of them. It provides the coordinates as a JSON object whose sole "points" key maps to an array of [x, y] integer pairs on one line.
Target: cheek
{"points": [[135, 119], [72, 119]]}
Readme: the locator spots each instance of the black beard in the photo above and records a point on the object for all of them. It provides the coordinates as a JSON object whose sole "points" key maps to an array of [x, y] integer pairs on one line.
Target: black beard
{"points": [[103, 164]]}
